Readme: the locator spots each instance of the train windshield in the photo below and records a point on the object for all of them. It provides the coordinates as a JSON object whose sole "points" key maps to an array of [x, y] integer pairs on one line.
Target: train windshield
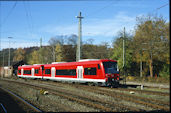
{"points": [[110, 67]]}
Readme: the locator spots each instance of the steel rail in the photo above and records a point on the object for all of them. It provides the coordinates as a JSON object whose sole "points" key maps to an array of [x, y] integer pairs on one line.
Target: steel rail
{"points": [[84, 102], [145, 91], [131, 98], [117, 95], [22, 100], [3, 108], [92, 102], [96, 88]]}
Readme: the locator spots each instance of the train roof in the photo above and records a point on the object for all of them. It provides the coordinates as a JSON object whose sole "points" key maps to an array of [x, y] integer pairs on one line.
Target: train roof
{"points": [[81, 62], [29, 66]]}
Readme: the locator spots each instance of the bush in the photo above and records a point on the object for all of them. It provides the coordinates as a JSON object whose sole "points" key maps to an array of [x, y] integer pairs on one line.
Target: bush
{"points": [[131, 78], [165, 72]]}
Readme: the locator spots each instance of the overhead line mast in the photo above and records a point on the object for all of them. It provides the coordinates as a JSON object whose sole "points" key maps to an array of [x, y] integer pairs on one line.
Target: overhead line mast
{"points": [[79, 41]]}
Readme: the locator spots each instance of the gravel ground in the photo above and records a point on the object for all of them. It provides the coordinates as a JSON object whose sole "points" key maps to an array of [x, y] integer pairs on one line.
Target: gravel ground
{"points": [[54, 103], [47, 103], [149, 84]]}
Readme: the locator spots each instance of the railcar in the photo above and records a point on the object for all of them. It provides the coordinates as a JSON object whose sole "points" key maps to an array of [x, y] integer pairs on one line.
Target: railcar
{"points": [[101, 71]]}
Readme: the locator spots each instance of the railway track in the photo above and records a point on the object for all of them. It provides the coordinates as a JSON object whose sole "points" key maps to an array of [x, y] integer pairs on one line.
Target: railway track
{"points": [[156, 87], [145, 91], [99, 103], [18, 99], [140, 100], [126, 89], [94, 88], [136, 99], [89, 101]]}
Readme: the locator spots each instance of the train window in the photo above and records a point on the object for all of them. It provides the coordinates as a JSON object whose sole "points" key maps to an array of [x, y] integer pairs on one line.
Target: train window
{"points": [[36, 71], [27, 72], [19, 71], [98, 66], [47, 71], [108, 66], [66, 72], [90, 71]]}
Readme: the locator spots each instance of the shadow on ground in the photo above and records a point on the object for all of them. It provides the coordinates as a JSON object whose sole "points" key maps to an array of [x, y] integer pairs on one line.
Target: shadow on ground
{"points": [[126, 86]]}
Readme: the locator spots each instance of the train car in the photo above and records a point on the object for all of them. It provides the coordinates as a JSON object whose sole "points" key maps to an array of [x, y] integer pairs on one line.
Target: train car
{"points": [[101, 71]]}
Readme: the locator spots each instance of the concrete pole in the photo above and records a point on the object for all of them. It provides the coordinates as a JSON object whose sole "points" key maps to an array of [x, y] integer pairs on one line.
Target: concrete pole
{"points": [[40, 42], [140, 63], [79, 42], [53, 53], [9, 52], [124, 56], [40, 50], [3, 58]]}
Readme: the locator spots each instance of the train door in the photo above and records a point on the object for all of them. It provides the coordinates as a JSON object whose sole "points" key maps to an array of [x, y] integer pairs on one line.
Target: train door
{"points": [[80, 72], [21, 71], [32, 71], [53, 71]]}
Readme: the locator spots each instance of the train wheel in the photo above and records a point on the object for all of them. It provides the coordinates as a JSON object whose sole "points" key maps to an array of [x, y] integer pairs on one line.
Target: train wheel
{"points": [[99, 84], [90, 84]]}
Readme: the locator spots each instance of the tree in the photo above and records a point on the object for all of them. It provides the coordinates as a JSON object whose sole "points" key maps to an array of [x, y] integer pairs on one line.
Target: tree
{"points": [[19, 54], [66, 50], [44, 55], [118, 51], [58, 53], [34, 58], [52, 42], [72, 40], [150, 34]]}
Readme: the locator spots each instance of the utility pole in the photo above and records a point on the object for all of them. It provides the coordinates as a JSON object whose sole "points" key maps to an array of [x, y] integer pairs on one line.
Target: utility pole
{"points": [[124, 56], [40, 54], [79, 42], [3, 58], [151, 58], [53, 53], [40, 42], [140, 63], [9, 52], [124, 48]]}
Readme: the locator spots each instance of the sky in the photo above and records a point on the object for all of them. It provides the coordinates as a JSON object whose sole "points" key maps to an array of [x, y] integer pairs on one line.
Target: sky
{"points": [[28, 21]]}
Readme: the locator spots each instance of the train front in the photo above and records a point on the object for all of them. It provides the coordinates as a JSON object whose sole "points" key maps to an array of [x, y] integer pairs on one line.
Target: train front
{"points": [[111, 73]]}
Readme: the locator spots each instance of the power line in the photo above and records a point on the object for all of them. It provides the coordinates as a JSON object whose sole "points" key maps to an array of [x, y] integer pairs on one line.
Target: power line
{"points": [[98, 10], [5, 19], [28, 18], [9, 13], [162, 6]]}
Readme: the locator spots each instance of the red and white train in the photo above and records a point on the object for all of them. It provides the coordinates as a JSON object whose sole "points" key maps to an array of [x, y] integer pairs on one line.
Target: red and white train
{"points": [[99, 71]]}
